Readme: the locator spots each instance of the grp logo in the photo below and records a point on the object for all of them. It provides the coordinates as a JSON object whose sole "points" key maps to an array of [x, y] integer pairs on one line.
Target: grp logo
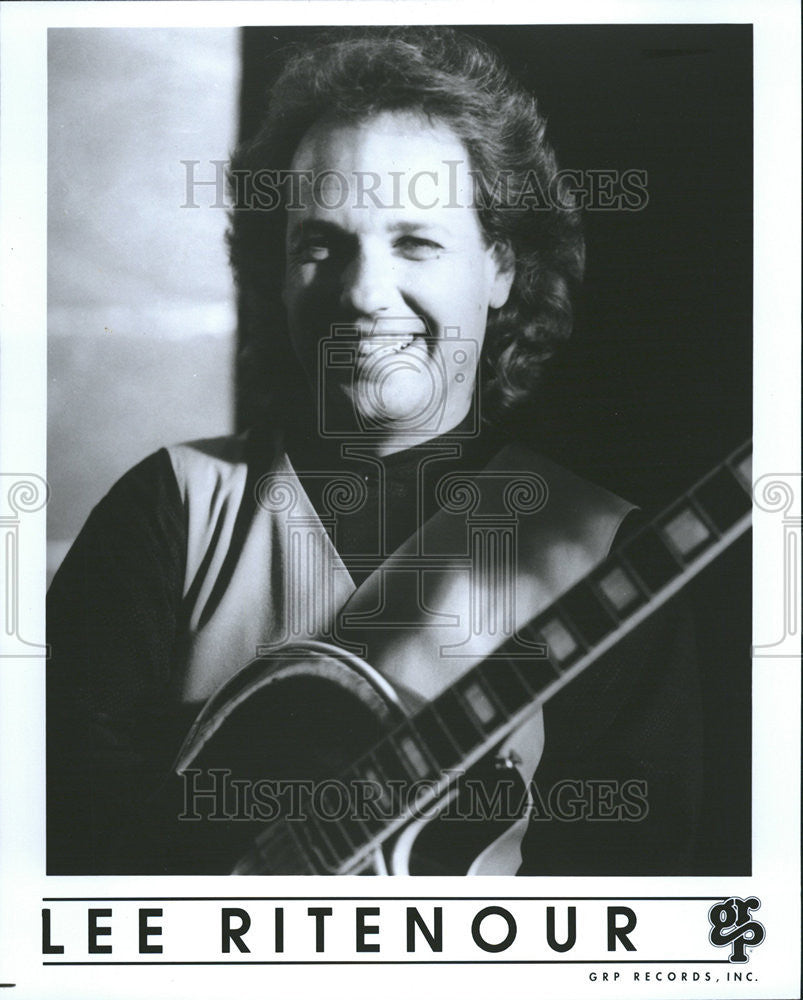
{"points": [[732, 924]]}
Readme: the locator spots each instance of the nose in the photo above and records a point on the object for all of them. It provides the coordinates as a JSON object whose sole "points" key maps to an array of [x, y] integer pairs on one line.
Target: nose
{"points": [[368, 283]]}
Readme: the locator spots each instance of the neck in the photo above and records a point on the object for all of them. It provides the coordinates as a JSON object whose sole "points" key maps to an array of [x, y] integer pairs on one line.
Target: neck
{"points": [[390, 440]]}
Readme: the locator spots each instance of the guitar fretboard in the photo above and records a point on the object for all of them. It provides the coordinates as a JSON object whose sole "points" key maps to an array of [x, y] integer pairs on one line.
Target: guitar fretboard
{"points": [[435, 745]]}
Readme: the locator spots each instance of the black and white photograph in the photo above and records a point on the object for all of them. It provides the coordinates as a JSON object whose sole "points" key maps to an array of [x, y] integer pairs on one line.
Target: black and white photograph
{"points": [[395, 388], [421, 465]]}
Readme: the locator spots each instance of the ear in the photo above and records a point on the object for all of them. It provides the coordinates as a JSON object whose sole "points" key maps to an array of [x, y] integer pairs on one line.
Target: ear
{"points": [[503, 262]]}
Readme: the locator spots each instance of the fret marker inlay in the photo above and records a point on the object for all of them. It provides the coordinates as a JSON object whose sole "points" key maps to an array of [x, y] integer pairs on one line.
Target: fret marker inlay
{"points": [[686, 531], [414, 757], [559, 639], [480, 704], [618, 588]]}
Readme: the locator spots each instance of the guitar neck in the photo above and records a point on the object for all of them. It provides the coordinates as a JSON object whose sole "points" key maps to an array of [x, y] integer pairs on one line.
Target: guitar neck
{"points": [[451, 733]]}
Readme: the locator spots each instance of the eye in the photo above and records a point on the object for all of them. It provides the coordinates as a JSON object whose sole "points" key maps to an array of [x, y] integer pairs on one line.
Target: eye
{"points": [[315, 251], [418, 247]]}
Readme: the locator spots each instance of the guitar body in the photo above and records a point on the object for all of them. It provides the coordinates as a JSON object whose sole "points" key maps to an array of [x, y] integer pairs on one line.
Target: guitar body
{"points": [[277, 743]]}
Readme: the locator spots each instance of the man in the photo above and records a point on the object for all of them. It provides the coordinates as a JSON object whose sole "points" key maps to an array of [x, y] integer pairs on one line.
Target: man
{"points": [[402, 296]]}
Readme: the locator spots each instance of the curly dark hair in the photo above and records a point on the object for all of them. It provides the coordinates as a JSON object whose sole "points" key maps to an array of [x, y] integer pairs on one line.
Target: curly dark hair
{"points": [[451, 78]]}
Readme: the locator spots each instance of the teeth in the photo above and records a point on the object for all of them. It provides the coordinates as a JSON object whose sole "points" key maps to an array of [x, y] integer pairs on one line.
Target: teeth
{"points": [[376, 347]]}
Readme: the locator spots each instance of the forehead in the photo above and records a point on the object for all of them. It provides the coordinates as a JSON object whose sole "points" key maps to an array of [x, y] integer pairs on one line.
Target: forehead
{"points": [[395, 162]]}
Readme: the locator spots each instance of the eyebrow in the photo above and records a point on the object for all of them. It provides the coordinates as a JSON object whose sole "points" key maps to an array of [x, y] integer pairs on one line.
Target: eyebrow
{"points": [[300, 228], [416, 226]]}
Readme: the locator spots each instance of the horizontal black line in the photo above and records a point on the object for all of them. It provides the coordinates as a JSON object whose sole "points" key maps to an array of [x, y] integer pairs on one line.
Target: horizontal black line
{"points": [[268, 899], [434, 961]]}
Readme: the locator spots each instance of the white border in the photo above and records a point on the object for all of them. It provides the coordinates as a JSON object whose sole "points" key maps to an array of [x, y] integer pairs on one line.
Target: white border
{"points": [[22, 448]]}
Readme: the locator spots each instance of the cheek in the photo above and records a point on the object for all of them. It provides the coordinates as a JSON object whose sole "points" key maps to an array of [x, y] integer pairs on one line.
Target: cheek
{"points": [[461, 286], [296, 281], [312, 294], [300, 299], [300, 329], [462, 314]]}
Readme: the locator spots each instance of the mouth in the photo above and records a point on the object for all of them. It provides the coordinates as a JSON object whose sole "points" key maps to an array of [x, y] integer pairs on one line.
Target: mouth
{"points": [[375, 347]]}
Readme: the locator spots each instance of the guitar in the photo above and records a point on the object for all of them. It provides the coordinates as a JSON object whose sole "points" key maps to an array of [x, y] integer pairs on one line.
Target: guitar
{"points": [[328, 771]]}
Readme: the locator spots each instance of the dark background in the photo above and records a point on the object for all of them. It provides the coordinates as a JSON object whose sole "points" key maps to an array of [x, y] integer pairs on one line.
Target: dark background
{"points": [[656, 385]]}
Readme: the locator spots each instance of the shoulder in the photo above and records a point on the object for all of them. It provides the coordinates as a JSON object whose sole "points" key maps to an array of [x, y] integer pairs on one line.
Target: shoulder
{"points": [[570, 510], [208, 460], [221, 462], [157, 489], [147, 488]]}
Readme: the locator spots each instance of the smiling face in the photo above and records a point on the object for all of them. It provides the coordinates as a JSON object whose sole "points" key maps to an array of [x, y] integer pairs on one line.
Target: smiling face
{"points": [[386, 245]]}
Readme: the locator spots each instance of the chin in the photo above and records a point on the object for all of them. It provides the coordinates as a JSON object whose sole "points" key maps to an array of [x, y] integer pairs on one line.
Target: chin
{"points": [[405, 401]]}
